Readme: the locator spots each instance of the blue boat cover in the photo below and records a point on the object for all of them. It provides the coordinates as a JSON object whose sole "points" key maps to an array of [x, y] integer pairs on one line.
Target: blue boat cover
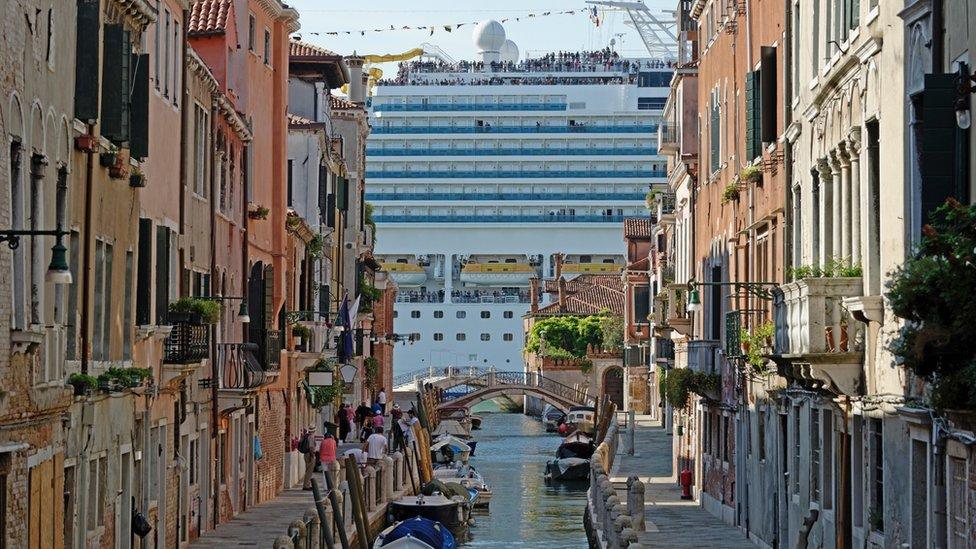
{"points": [[428, 531]]}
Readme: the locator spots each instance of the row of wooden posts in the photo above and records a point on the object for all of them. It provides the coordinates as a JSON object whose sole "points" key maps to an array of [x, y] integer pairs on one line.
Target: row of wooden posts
{"points": [[350, 509], [610, 523]]}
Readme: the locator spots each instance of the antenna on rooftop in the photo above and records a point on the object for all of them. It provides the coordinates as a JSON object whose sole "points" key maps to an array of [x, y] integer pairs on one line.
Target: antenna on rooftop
{"points": [[658, 35]]}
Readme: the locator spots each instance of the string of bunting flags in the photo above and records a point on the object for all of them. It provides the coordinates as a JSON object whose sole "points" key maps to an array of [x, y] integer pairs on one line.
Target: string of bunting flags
{"points": [[592, 12]]}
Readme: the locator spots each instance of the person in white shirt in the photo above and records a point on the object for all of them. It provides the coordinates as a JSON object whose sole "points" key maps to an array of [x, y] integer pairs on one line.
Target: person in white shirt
{"points": [[381, 399], [357, 453], [375, 446]]}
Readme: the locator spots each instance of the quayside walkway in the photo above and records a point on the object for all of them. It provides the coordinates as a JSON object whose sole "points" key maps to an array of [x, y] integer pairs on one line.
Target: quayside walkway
{"points": [[260, 525], [669, 520]]}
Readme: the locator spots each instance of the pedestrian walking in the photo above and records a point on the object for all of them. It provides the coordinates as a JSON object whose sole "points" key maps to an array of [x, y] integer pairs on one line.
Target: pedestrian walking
{"points": [[381, 399], [327, 451], [342, 420], [362, 412], [306, 446], [375, 446]]}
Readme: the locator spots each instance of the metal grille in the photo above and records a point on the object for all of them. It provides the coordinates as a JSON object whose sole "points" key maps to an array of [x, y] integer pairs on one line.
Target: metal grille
{"points": [[733, 323]]}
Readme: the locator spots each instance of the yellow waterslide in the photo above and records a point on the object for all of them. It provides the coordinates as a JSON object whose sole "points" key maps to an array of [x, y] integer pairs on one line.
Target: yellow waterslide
{"points": [[375, 73]]}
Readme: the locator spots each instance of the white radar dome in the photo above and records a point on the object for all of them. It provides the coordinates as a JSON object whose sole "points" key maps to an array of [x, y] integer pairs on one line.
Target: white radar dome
{"points": [[509, 52], [489, 36]]}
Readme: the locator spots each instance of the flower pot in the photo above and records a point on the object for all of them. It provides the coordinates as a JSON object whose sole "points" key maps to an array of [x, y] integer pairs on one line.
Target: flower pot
{"points": [[107, 159], [137, 180], [179, 317]]}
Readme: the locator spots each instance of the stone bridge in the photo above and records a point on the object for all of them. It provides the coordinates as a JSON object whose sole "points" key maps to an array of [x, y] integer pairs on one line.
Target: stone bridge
{"points": [[471, 385]]}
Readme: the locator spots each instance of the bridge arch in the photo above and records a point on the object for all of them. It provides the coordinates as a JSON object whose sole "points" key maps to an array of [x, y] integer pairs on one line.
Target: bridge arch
{"points": [[493, 384]]}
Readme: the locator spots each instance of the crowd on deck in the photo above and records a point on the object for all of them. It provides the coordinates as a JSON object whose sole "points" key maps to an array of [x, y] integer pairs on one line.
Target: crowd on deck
{"points": [[463, 296], [412, 72]]}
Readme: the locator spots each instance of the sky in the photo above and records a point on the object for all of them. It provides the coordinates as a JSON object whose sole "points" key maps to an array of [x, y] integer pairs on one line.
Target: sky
{"points": [[532, 35]]}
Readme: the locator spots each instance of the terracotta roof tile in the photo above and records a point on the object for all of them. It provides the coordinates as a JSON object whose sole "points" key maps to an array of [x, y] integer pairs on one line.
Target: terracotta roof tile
{"points": [[209, 16], [587, 295], [638, 227], [642, 264], [304, 49]]}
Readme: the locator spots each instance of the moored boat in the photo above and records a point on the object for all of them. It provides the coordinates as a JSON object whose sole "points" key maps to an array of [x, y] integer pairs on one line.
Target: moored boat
{"points": [[469, 478], [476, 422], [553, 417], [448, 448], [452, 512], [416, 533], [581, 418], [572, 458]]}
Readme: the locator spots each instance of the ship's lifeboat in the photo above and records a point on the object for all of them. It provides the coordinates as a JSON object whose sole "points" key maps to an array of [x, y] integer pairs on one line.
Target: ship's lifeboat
{"points": [[497, 274], [572, 270], [406, 274]]}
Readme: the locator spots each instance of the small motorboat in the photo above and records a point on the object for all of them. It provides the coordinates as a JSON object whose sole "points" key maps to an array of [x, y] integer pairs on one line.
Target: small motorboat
{"points": [[466, 476], [452, 511], [448, 449], [470, 442], [416, 533], [553, 417], [453, 427], [581, 418], [572, 458]]}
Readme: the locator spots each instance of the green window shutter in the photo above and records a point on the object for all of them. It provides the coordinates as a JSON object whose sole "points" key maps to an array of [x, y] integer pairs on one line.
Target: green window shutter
{"points": [[86, 61], [139, 131], [750, 116], [116, 80], [940, 158], [715, 136], [342, 193], [767, 95]]}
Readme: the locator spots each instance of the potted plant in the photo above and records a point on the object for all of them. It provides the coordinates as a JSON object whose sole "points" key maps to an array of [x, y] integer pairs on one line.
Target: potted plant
{"points": [[137, 178], [258, 212], [730, 193], [108, 157], [83, 384], [302, 332], [649, 199], [751, 173], [195, 310], [120, 169]]}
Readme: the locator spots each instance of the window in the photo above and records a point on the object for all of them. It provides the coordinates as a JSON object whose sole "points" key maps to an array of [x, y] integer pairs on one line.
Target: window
{"points": [[438, 336], [396, 314], [127, 308], [177, 58], [101, 340], [508, 314], [642, 304], [460, 337], [102, 488], [753, 115], [156, 39], [194, 461], [795, 50], [956, 504], [201, 131], [250, 32], [164, 264], [485, 337], [267, 47], [485, 314], [815, 40], [49, 47], [827, 455], [93, 511], [877, 474], [508, 337], [461, 314], [414, 314], [438, 314], [715, 134], [814, 454]]}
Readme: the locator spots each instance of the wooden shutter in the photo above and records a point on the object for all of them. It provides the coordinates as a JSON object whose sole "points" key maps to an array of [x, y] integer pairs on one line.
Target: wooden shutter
{"points": [[86, 60], [940, 154], [767, 94], [325, 299], [342, 193], [323, 197], [715, 135], [751, 108], [144, 274], [162, 273], [330, 211], [139, 129], [116, 77]]}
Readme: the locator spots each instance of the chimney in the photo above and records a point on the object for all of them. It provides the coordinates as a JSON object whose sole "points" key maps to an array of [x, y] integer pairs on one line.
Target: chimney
{"points": [[562, 295], [534, 295], [559, 265], [357, 78]]}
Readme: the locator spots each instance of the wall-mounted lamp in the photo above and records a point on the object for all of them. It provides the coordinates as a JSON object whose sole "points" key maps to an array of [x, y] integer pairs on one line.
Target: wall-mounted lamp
{"points": [[964, 118], [57, 270]]}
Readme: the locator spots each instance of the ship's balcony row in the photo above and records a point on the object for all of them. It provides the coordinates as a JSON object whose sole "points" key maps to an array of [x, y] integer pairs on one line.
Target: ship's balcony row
{"points": [[459, 107], [497, 174], [381, 196], [527, 218], [528, 151], [498, 129]]}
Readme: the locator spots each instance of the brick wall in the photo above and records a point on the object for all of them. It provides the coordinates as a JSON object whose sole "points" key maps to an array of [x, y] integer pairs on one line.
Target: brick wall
{"points": [[269, 470]]}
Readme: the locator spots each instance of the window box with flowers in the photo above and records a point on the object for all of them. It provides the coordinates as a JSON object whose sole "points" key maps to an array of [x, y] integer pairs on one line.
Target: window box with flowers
{"points": [[258, 212]]}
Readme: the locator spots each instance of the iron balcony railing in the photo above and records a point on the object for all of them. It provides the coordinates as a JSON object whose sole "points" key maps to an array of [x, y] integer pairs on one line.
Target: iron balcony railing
{"points": [[188, 342], [667, 136], [646, 129], [499, 218], [379, 196], [454, 107], [268, 347], [497, 174], [239, 368], [528, 151]]}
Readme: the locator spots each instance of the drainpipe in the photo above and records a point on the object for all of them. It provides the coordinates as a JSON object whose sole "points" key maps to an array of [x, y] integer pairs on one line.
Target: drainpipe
{"points": [[214, 288], [84, 265]]}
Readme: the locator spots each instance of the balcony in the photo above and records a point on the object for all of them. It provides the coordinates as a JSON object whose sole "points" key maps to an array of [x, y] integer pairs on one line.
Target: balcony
{"points": [[667, 138], [499, 218], [817, 338], [313, 348], [702, 356], [670, 311], [268, 348], [521, 174], [456, 107], [187, 343], [527, 151], [646, 129], [240, 370]]}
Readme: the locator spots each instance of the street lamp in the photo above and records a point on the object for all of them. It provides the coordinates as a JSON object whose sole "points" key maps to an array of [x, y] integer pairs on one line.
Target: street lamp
{"points": [[57, 270], [694, 301], [965, 88], [242, 312]]}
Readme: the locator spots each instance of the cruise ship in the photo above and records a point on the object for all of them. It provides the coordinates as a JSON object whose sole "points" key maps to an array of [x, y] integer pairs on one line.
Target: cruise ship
{"points": [[481, 173]]}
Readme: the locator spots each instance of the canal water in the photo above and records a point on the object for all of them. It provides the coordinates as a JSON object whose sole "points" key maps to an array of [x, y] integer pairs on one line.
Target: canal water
{"points": [[525, 513]]}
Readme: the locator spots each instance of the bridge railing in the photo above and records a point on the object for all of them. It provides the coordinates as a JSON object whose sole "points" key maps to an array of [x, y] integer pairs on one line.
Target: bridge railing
{"points": [[431, 372], [492, 378]]}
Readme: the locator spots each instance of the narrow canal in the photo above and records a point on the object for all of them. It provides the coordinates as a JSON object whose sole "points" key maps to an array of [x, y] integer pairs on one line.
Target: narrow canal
{"points": [[525, 512]]}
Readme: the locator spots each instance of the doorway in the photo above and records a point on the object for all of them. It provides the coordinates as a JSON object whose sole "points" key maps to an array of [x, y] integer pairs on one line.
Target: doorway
{"points": [[613, 386]]}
